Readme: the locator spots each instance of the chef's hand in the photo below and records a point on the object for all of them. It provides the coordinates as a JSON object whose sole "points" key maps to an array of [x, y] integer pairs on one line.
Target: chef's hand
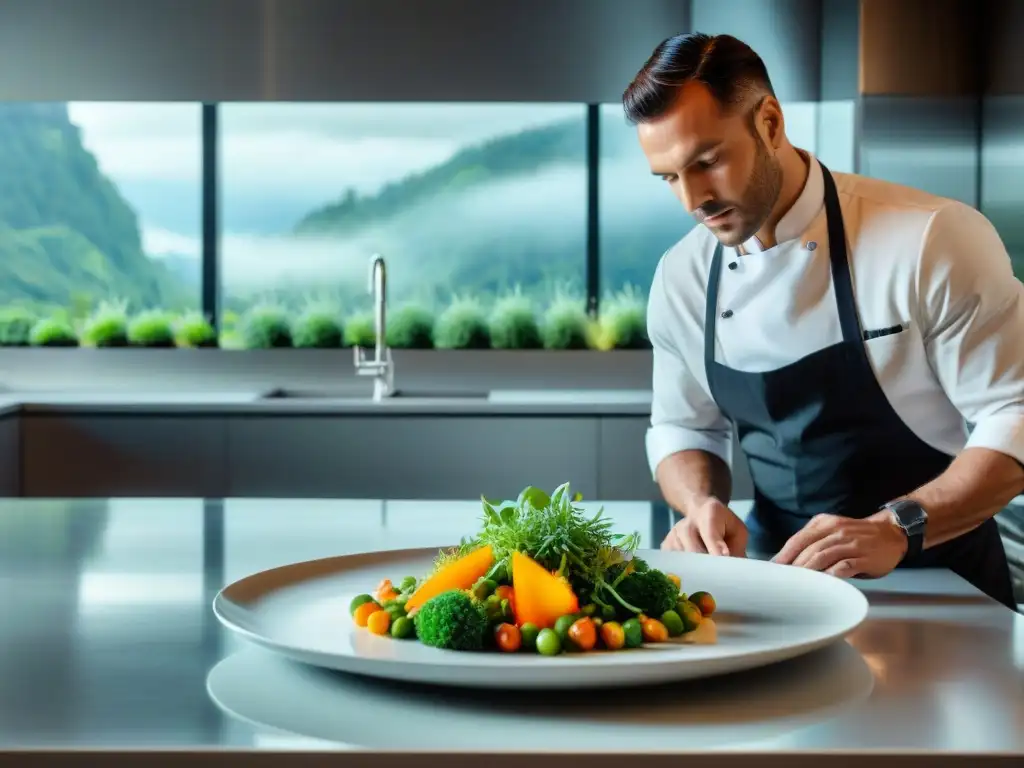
{"points": [[846, 547], [712, 528]]}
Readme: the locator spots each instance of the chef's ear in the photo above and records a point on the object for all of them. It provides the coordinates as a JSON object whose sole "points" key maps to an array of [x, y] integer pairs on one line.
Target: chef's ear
{"points": [[771, 121]]}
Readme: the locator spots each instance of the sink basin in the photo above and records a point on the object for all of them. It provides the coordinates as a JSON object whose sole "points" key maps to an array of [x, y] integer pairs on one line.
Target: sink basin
{"points": [[285, 393]]}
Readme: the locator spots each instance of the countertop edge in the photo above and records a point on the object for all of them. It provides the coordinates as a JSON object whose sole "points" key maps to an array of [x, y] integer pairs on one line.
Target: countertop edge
{"points": [[361, 758], [256, 405]]}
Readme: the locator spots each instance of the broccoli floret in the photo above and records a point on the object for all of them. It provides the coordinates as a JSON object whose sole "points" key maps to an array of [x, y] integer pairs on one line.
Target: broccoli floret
{"points": [[452, 620], [650, 590]]}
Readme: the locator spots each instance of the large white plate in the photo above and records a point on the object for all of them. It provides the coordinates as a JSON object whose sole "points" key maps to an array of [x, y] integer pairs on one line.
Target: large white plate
{"points": [[271, 692], [766, 613]]}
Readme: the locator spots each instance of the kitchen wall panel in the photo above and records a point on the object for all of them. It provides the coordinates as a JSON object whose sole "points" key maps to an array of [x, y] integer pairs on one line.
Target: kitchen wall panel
{"points": [[785, 33], [920, 47], [1002, 171], [331, 50], [929, 143], [920, 78], [1002, 138]]}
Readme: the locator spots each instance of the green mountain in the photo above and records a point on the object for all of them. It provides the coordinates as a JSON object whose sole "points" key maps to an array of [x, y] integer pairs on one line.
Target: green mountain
{"points": [[520, 154], [511, 210], [66, 234]]}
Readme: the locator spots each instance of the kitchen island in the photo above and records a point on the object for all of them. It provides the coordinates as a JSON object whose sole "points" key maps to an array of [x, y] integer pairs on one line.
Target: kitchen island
{"points": [[109, 651]]}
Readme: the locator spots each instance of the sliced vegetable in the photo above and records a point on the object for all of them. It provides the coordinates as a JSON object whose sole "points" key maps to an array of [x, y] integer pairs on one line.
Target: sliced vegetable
{"points": [[540, 596], [458, 574]]}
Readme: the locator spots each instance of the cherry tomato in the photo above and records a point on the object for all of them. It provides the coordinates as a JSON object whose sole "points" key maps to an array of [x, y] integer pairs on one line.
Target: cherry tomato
{"points": [[612, 635], [654, 631], [509, 637], [583, 634]]}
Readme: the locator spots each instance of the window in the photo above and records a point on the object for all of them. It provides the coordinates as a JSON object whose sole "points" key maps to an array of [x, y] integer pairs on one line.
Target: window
{"points": [[99, 202], [462, 200], [640, 217]]}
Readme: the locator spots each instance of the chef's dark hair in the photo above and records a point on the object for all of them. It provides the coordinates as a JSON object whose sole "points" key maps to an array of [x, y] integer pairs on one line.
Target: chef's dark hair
{"points": [[729, 68]]}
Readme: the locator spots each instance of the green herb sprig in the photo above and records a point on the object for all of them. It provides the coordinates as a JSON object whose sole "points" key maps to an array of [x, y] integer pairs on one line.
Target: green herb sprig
{"points": [[560, 536]]}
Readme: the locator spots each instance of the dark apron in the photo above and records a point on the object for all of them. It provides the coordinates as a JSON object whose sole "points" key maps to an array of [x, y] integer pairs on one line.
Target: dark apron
{"points": [[820, 436]]}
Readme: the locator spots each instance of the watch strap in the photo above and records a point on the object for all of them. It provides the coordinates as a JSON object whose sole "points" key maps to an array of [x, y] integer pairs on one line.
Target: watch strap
{"points": [[911, 518]]}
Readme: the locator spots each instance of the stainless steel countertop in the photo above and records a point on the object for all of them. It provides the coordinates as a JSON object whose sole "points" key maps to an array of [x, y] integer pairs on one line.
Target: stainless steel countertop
{"points": [[108, 644], [582, 402]]}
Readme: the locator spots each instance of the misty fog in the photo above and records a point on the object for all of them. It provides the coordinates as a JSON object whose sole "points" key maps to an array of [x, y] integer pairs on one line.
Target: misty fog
{"points": [[279, 162]]}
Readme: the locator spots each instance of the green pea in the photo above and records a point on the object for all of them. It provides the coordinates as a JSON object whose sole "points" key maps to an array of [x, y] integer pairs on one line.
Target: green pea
{"points": [[408, 584], [690, 614], [633, 633], [484, 588], [402, 628], [357, 601], [506, 610], [562, 626], [608, 613], [529, 632], [548, 643], [590, 609], [492, 606], [673, 623]]}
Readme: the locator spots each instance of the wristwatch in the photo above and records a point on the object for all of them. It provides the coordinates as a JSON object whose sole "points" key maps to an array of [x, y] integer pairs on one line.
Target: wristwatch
{"points": [[913, 519]]}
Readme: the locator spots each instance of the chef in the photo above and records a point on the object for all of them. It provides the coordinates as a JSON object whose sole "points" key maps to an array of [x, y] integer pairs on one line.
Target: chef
{"points": [[841, 327]]}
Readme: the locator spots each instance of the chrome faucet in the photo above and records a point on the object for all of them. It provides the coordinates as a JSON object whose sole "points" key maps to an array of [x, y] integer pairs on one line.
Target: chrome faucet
{"points": [[381, 367]]}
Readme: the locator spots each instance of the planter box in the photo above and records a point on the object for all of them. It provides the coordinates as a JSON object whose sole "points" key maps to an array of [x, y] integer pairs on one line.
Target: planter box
{"points": [[127, 369]]}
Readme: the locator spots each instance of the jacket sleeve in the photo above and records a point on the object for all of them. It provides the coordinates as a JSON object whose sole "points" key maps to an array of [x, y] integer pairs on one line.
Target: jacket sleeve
{"points": [[683, 414], [972, 316]]}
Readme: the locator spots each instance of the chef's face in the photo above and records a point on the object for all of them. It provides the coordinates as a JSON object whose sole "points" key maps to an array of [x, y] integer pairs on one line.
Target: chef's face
{"points": [[720, 165]]}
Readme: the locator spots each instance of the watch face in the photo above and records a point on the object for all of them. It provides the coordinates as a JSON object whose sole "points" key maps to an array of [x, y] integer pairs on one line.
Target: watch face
{"points": [[911, 516]]}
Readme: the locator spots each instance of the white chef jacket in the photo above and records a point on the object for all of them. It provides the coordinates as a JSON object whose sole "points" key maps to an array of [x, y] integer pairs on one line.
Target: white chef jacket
{"points": [[934, 265]]}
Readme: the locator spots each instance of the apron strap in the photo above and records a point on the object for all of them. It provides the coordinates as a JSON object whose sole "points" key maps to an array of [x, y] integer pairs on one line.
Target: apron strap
{"points": [[841, 280]]}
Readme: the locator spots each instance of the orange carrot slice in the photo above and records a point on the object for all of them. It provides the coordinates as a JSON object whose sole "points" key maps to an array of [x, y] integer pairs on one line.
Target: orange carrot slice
{"points": [[540, 597], [460, 574]]}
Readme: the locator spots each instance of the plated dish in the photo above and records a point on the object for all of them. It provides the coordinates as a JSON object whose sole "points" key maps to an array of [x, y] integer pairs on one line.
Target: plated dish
{"points": [[539, 595], [539, 576]]}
